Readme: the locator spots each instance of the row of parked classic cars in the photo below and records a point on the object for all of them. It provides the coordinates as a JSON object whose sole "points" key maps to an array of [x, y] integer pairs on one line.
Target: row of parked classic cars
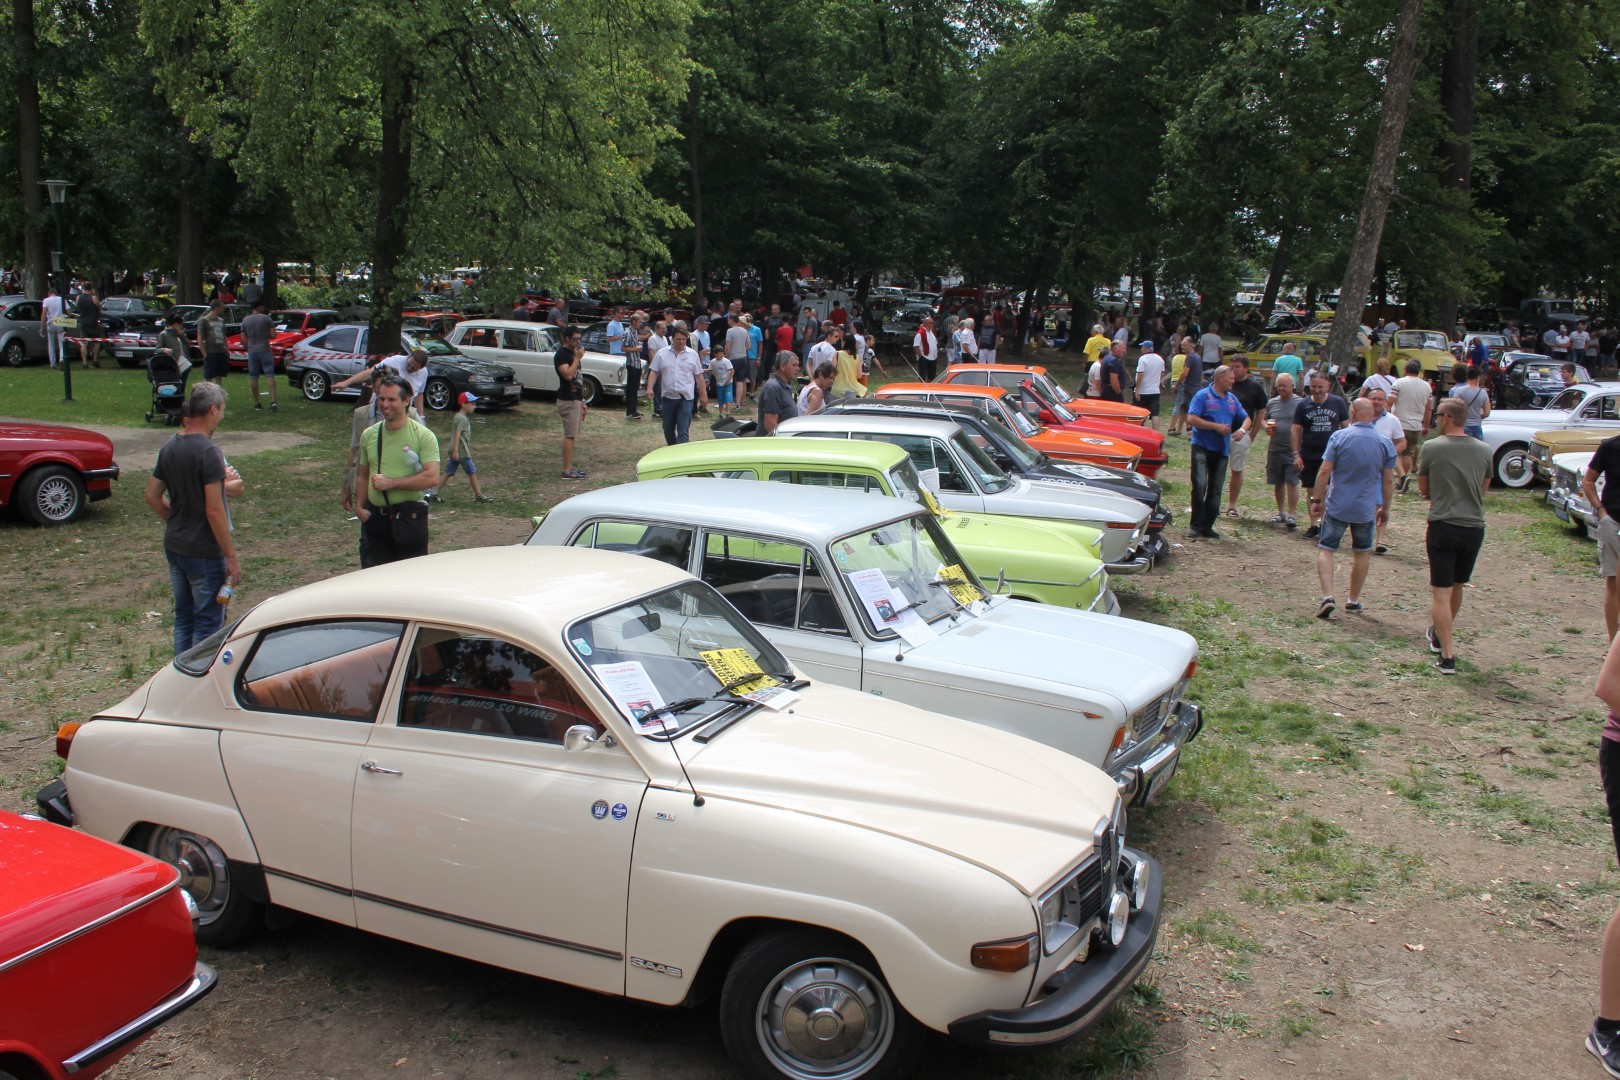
{"points": [[838, 727]]}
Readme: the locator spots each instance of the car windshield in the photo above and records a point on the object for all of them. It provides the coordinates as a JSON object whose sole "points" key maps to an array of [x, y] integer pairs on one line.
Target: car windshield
{"points": [[1050, 390], [1008, 442], [988, 476], [1544, 371], [1059, 413], [433, 346], [901, 575], [1569, 400], [1020, 422], [668, 659], [906, 482], [1421, 339]]}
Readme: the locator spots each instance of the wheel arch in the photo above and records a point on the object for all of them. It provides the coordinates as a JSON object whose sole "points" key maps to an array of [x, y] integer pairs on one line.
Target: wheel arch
{"points": [[733, 937]]}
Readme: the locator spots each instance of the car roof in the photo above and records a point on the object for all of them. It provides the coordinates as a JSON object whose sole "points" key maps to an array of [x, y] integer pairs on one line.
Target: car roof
{"points": [[954, 389], [901, 407], [514, 591], [1031, 368], [726, 453], [895, 425], [816, 514], [516, 324]]}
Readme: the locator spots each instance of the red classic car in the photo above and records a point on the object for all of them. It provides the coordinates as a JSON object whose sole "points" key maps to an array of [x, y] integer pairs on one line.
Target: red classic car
{"points": [[96, 950], [290, 327], [51, 472]]}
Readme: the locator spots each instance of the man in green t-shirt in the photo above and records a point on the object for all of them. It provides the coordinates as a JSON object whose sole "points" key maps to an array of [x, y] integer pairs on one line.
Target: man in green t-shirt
{"points": [[1453, 472], [400, 459], [1288, 364]]}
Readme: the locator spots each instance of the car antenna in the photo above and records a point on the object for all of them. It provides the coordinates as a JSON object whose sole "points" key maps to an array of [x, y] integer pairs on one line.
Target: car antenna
{"points": [[697, 800]]}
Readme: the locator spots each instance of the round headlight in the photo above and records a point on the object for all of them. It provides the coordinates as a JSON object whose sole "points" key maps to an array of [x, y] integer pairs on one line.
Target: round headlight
{"points": [[1137, 882], [1119, 916]]}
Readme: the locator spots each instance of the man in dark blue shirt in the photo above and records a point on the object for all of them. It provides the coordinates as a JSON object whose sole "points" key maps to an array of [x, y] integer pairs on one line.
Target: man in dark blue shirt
{"points": [[1213, 414]]}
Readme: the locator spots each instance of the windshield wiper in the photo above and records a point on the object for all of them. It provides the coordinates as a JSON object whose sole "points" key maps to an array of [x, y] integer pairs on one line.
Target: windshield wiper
{"points": [[715, 730], [725, 691]]}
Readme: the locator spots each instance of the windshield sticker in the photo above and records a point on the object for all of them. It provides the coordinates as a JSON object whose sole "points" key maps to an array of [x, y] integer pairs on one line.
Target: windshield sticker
{"points": [[886, 609], [956, 581], [633, 692], [582, 646]]}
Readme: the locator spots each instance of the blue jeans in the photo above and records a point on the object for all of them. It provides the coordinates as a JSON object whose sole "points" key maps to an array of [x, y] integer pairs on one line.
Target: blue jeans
{"points": [[195, 581], [1208, 481], [677, 416]]}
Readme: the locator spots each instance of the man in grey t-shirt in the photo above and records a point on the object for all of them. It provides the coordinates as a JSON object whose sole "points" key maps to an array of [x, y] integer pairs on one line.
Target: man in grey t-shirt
{"points": [[256, 329], [776, 398], [1210, 347]]}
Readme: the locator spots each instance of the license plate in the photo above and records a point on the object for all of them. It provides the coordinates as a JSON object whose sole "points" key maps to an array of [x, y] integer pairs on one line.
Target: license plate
{"points": [[512, 391], [1562, 511], [1158, 782], [123, 354]]}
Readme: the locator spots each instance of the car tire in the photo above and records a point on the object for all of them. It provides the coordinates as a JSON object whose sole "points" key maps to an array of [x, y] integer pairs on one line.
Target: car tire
{"points": [[315, 385], [439, 394], [1514, 466], [15, 354], [225, 914], [51, 495], [591, 393], [783, 982]]}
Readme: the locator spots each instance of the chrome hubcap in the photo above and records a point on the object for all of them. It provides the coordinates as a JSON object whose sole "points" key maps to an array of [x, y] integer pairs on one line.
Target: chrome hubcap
{"points": [[203, 873], [825, 1018], [56, 498]]}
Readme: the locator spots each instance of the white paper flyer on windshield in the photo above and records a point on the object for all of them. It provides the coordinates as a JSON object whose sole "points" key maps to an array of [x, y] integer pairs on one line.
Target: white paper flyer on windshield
{"points": [[633, 692], [888, 610]]}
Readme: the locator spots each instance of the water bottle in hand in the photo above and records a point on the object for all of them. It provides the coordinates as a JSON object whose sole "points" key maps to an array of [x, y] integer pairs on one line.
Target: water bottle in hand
{"points": [[413, 460]]}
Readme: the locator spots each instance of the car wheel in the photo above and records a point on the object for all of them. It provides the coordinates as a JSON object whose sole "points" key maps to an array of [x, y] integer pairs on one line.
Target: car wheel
{"points": [[439, 394], [1514, 467], [15, 353], [51, 495], [592, 390], [225, 915], [315, 385], [809, 1005]]}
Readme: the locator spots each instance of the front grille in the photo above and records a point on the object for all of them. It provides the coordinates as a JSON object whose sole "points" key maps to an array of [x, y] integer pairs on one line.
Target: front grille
{"points": [[1541, 452], [1088, 886], [1149, 719]]}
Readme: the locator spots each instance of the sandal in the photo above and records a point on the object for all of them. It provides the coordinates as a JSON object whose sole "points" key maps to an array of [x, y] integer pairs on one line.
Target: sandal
{"points": [[1231, 511]]}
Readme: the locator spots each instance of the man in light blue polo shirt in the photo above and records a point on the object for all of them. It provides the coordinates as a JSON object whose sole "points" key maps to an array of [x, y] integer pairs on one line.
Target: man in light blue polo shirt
{"points": [[1358, 470], [1213, 415]]}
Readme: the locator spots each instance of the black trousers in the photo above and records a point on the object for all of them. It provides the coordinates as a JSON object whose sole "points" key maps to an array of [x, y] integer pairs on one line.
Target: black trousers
{"points": [[632, 388], [399, 532], [928, 369]]}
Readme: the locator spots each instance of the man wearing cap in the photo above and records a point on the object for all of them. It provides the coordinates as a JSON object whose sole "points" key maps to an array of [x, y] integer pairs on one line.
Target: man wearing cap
{"points": [[461, 448], [412, 368], [1149, 382]]}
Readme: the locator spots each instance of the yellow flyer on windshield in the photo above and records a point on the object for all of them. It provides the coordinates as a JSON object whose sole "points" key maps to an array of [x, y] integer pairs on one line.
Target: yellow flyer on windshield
{"points": [[929, 501], [957, 583], [729, 665]]}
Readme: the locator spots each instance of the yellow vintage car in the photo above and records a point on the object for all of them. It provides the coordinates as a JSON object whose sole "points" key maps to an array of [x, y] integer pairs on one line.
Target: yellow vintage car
{"points": [[1547, 445], [1430, 348], [1308, 347]]}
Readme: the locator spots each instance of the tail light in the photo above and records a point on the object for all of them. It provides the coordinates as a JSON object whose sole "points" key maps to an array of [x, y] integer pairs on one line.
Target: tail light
{"points": [[64, 738]]}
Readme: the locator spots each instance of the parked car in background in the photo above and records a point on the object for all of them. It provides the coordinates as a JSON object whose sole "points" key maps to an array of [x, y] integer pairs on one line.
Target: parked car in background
{"points": [[1530, 380], [421, 749], [1047, 562], [530, 348], [50, 473], [1495, 346], [1546, 447], [967, 479], [114, 309], [21, 340], [856, 589], [233, 314], [289, 327], [1430, 348], [1012, 376], [1593, 407], [316, 365], [96, 950], [1565, 494]]}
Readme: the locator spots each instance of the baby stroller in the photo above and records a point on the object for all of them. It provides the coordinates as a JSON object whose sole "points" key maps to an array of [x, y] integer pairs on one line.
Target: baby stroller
{"points": [[168, 379]]}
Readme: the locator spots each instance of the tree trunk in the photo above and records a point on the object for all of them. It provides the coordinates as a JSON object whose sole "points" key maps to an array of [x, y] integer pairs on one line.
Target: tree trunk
{"points": [[267, 270], [1457, 91], [1026, 318], [391, 240], [188, 283], [1150, 294], [29, 150], [692, 102], [1279, 267], [1402, 72]]}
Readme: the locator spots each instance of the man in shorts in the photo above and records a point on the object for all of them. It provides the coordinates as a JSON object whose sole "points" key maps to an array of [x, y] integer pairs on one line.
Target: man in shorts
{"points": [[1281, 472], [256, 329], [1412, 402], [1605, 463], [1358, 473], [742, 368], [1316, 418], [570, 398], [1453, 472], [1603, 1041], [211, 343]]}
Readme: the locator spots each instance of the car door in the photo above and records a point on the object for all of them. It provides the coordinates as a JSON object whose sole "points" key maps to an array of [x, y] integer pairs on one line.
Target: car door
{"points": [[22, 319], [1601, 411], [476, 832], [309, 696], [339, 350], [779, 585], [519, 349]]}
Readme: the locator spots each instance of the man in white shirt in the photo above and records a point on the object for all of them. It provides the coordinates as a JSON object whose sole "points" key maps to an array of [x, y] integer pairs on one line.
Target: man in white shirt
{"points": [[674, 380], [1149, 382], [1578, 338], [967, 341], [926, 344], [412, 368], [1380, 379], [1412, 403], [1387, 425], [825, 351], [50, 308]]}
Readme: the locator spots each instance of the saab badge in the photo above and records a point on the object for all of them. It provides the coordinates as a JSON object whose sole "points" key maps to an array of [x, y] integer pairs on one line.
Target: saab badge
{"points": [[599, 809], [648, 965]]}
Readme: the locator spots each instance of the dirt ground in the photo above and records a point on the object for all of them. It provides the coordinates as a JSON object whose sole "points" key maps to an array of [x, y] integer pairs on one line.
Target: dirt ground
{"points": [[1371, 871]]}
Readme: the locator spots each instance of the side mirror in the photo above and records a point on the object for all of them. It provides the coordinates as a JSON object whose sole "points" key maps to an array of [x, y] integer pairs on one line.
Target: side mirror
{"points": [[1001, 582], [580, 736]]}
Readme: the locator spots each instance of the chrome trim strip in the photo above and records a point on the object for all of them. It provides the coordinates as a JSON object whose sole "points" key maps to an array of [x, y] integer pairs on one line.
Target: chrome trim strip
{"points": [[477, 924], [22, 958], [202, 981]]}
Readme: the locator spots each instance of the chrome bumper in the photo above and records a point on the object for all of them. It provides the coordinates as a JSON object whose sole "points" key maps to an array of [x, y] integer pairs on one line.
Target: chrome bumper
{"points": [[1140, 782], [201, 982]]}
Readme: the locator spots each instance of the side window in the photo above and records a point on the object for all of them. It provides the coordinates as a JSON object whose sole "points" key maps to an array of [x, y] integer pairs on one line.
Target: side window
{"points": [[334, 669], [772, 583], [480, 337], [343, 339], [462, 680], [972, 378], [666, 543], [549, 339], [814, 478], [1602, 409], [950, 474], [24, 312], [517, 340], [322, 321]]}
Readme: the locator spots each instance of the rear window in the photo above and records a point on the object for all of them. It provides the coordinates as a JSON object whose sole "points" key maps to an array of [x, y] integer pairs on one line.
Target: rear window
{"points": [[196, 660]]}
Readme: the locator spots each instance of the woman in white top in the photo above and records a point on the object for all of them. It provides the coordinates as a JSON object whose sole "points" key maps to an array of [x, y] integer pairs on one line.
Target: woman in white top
{"points": [[813, 398]]}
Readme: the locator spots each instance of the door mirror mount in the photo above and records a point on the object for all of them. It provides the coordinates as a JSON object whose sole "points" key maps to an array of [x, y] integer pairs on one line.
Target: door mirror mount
{"points": [[581, 736]]}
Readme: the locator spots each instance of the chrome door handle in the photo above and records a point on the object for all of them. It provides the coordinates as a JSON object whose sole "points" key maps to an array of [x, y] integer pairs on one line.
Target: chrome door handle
{"points": [[373, 767]]}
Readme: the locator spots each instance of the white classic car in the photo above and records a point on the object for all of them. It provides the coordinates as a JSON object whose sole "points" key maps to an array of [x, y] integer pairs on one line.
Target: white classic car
{"points": [[598, 772], [529, 348], [857, 589], [1508, 432], [966, 478], [1564, 492]]}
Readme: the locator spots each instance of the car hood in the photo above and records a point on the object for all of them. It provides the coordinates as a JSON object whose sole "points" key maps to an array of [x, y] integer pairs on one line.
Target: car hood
{"points": [[24, 436], [1546, 418], [1057, 475], [1054, 498], [1575, 461], [1017, 808], [1022, 536], [1562, 440]]}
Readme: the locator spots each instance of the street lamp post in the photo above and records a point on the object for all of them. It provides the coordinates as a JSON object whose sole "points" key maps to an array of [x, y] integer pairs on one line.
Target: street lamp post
{"points": [[58, 190]]}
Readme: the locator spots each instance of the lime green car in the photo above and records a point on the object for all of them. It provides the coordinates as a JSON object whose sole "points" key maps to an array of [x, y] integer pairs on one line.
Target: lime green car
{"points": [[1048, 562]]}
